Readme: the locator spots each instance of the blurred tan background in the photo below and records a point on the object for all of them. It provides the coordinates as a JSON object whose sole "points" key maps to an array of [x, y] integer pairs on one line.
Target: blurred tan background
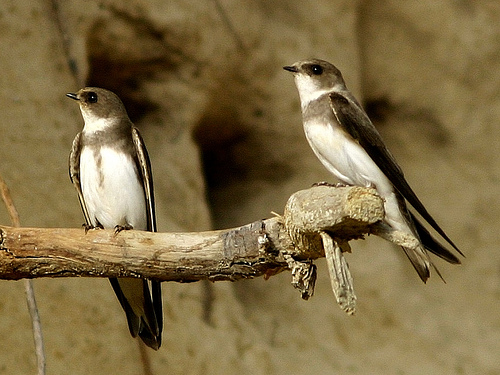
{"points": [[203, 82]]}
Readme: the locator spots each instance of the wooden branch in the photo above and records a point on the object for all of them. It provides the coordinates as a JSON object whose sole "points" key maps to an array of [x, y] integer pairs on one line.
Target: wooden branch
{"points": [[264, 247]]}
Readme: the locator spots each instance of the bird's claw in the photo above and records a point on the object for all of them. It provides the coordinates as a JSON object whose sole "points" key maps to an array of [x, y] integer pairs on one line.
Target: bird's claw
{"points": [[88, 227], [324, 183], [119, 228]]}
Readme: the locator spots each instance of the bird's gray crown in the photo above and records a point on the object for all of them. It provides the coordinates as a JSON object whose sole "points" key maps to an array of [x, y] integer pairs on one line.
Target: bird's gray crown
{"points": [[99, 103], [324, 74]]}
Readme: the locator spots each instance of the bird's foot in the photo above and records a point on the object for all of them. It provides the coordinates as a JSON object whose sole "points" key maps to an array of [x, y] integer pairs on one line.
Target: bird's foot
{"points": [[324, 183], [119, 228], [321, 183], [88, 227]]}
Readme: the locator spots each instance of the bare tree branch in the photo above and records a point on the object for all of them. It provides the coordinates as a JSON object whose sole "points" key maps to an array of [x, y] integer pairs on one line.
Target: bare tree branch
{"points": [[265, 247]]}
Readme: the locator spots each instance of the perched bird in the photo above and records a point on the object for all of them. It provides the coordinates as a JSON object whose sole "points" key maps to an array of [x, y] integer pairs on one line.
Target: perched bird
{"points": [[346, 142], [110, 169]]}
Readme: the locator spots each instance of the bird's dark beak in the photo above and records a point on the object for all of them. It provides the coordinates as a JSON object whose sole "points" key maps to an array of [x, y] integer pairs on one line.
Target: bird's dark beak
{"points": [[292, 69], [72, 96]]}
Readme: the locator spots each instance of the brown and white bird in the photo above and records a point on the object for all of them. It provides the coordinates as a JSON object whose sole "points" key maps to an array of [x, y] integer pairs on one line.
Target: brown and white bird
{"points": [[350, 147], [110, 169]]}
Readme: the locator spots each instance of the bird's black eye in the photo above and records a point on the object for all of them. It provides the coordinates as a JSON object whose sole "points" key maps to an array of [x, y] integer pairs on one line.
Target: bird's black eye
{"points": [[92, 97], [317, 70]]}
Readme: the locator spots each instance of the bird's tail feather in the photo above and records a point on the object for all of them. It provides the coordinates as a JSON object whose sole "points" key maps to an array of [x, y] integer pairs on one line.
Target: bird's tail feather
{"points": [[420, 261], [148, 326], [431, 244]]}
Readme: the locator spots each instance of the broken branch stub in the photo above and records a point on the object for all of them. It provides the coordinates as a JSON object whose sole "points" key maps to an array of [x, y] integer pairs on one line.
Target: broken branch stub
{"points": [[320, 221], [345, 213]]}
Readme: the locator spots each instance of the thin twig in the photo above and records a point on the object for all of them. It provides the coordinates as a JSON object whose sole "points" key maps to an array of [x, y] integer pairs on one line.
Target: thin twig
{"points": [[28, 286], [65, 41], [9, 204], [227, 21], [145, 360]]}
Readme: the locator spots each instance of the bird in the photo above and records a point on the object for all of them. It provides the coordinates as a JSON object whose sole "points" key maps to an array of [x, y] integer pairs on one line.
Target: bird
{"points": [[110, 168], [349, 146]]}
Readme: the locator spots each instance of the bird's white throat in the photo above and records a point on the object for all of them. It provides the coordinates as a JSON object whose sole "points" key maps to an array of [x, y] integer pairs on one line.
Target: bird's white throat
{"points": [[94, 123], [309, 91]]}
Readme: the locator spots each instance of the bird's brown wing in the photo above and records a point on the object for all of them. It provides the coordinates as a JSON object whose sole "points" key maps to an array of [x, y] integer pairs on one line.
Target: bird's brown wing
{"points": [[74, 175], [144, 165], [356, 122]]}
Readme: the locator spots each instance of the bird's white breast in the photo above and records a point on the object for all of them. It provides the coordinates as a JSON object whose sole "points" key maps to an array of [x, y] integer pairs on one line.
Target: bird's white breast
{"points": [[352, 165], [111, 189], [343, 156]]}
